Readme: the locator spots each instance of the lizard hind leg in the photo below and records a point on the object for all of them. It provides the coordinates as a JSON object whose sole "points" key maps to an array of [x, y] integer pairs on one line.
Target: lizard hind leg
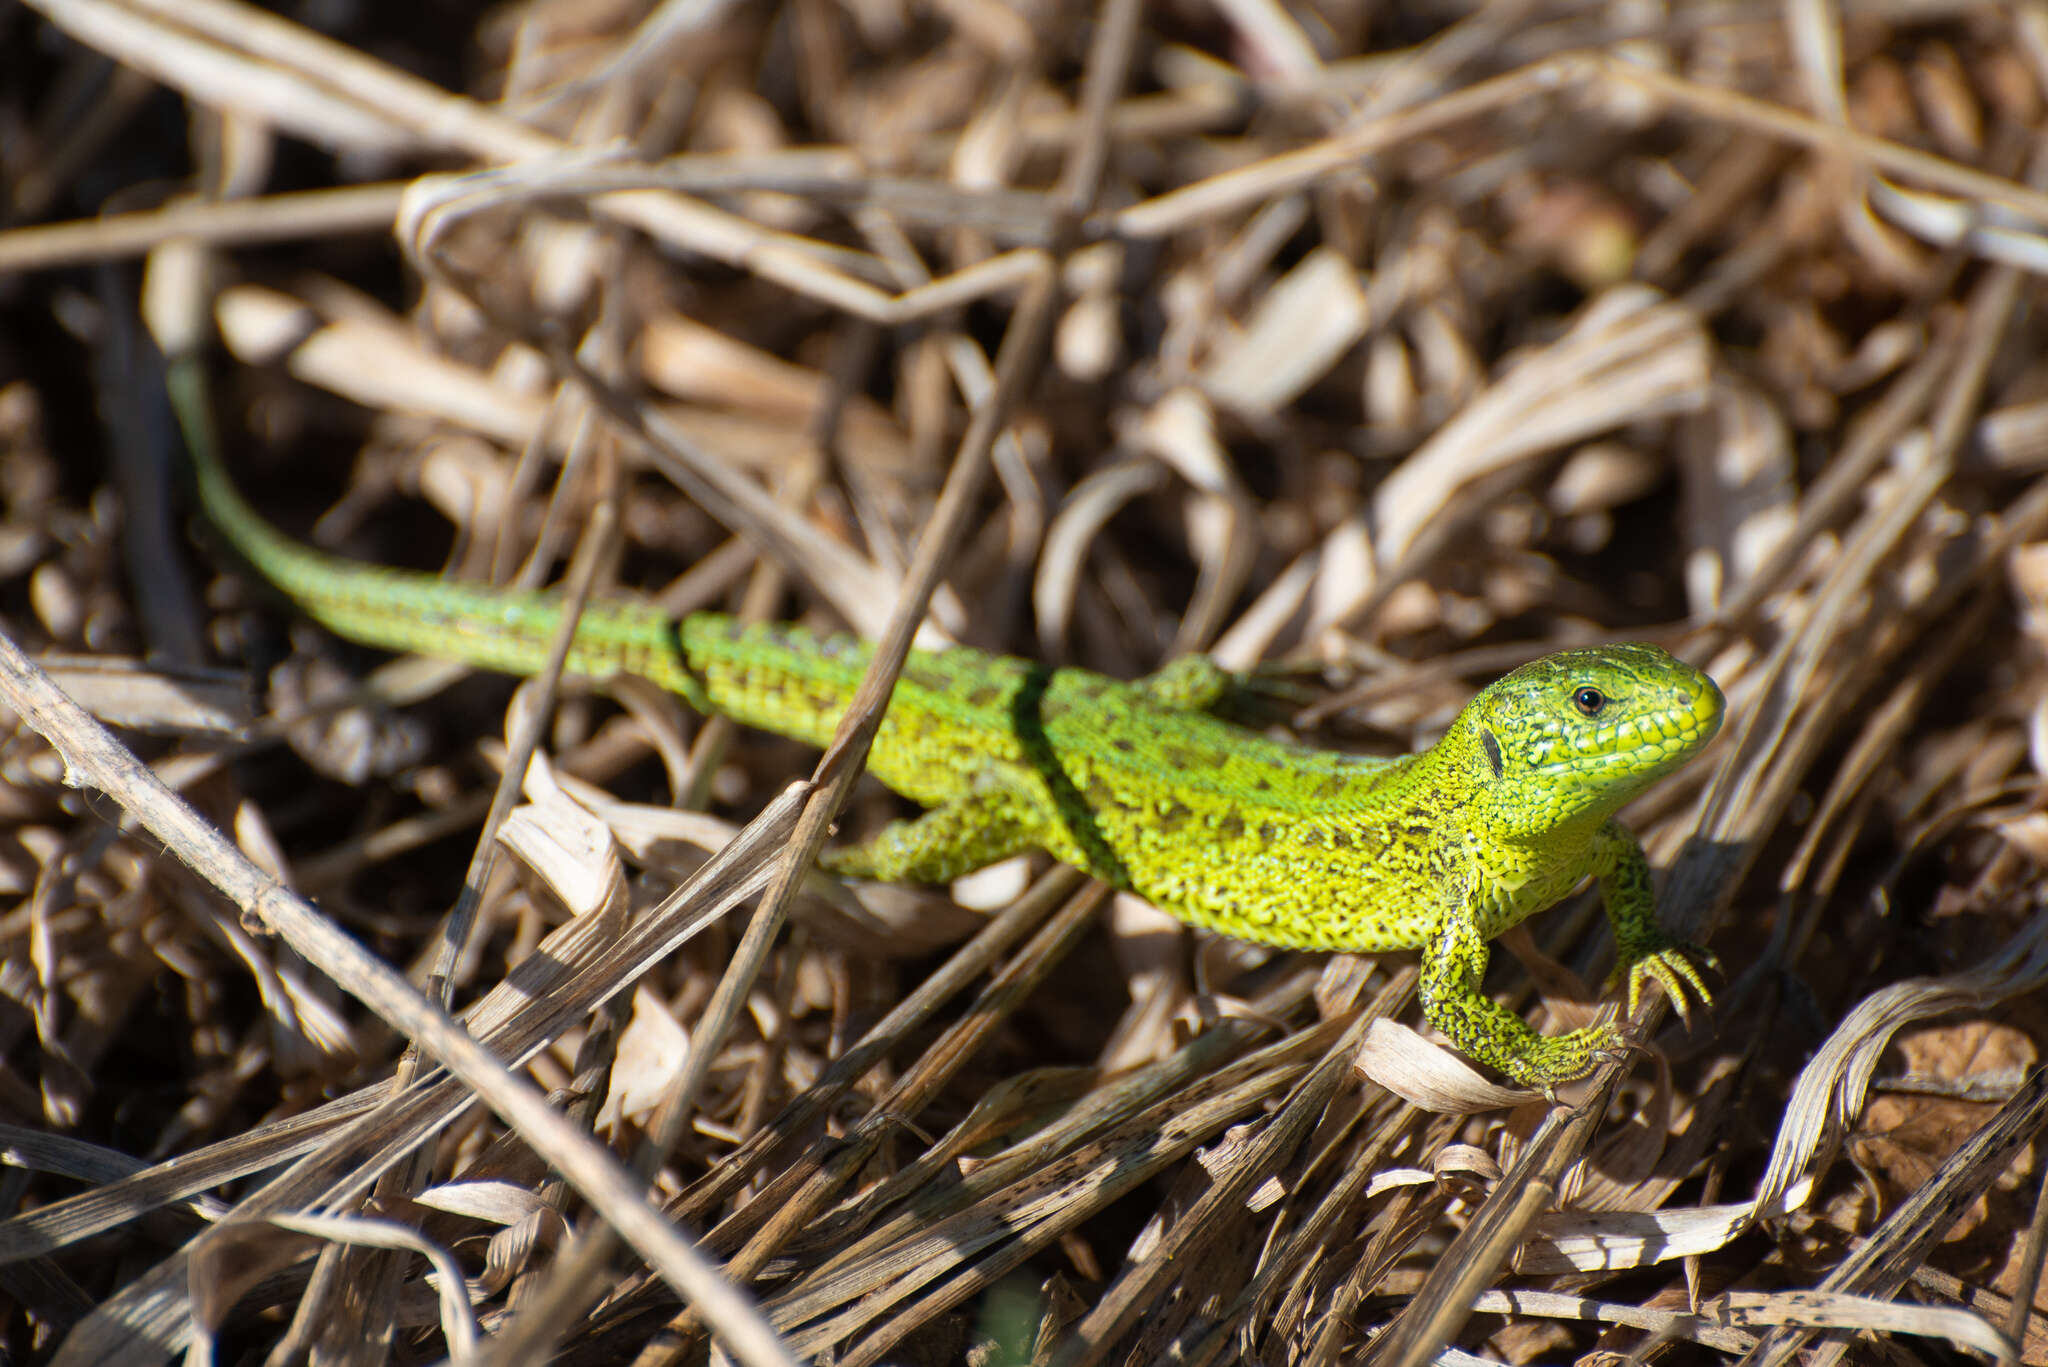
{"points": [[1194, 683], [988, 825]]}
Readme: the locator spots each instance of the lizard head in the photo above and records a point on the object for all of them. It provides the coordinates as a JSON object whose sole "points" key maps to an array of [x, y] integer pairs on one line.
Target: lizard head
{"points": [[1573, 736]]}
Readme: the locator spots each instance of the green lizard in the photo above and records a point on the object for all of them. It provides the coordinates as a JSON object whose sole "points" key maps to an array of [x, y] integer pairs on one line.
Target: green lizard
{"points": [[1139, 785]]}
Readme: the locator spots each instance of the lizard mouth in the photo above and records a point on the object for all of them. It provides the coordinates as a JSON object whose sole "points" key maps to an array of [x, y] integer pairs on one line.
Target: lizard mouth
{"points": [[1645, 742], [1658, 742]]}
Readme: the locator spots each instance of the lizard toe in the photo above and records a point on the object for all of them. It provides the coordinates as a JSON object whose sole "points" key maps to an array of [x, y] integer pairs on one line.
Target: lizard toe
{"points": [[1562, 1058], [1672, 965]]}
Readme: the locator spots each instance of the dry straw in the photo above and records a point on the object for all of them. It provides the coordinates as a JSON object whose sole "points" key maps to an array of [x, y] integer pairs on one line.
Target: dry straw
{"points": [[1373, 349]]}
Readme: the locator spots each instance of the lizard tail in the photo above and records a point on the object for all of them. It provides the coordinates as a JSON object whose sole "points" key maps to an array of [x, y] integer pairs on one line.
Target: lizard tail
{"points": [[508, 630]]}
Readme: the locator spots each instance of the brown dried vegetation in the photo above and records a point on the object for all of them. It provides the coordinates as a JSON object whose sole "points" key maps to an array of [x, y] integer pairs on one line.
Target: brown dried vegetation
{"points": [[1395, 343]]}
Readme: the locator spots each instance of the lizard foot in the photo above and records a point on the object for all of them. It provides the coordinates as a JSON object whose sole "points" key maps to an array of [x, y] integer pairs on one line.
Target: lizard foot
{"points": [[1548, 1060], [1671, 963]]}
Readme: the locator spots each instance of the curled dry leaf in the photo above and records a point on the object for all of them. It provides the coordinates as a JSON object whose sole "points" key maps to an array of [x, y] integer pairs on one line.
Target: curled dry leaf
{"points": [[651, 1054], [566, 845], [1615, 1241], [1428, 1076], [1467, 1160], [498, 1202], [1831, 1089]]}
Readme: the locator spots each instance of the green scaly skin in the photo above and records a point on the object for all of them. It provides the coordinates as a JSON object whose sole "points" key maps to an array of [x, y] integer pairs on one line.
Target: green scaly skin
{"points": [[1138, 785]]}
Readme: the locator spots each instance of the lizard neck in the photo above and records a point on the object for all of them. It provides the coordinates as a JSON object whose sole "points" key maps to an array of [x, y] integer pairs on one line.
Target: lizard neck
{"points": [[1480, 765]]}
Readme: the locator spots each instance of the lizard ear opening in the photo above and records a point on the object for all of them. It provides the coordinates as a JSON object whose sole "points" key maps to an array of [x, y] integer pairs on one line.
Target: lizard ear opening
{"points": [[1491, 744]]}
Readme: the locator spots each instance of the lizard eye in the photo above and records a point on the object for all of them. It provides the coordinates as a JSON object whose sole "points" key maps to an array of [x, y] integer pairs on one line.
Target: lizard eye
{"points": [[1589, 701]]}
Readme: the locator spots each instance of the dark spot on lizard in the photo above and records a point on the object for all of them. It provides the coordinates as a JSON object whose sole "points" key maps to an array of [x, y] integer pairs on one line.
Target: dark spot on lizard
{"points": [[1266, 833], [1311, 838], [1491, 744], [1123, 743], [1340, 839], [1231, 826], [983, 695]]}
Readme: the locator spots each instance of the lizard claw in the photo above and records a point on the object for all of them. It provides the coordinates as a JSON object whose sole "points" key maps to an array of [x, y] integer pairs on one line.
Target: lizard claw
{"points": [[1672, 965], [1556, 1059], [1591, 1047]]}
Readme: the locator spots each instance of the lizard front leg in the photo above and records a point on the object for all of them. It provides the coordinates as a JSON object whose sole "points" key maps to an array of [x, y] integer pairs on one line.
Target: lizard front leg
{"points": [[1453, 1000], [1641, 948]]}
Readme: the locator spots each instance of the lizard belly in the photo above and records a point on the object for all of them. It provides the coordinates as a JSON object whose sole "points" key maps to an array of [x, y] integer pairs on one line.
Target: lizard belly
{"points": [[1257, 874], [1302, 898], [1256, 838]]}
